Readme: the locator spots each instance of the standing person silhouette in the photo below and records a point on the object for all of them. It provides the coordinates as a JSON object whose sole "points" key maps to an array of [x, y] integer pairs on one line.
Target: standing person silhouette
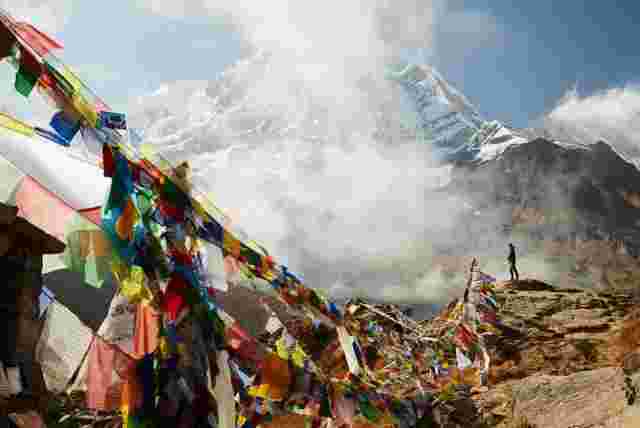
{"points": [[513, 271]]}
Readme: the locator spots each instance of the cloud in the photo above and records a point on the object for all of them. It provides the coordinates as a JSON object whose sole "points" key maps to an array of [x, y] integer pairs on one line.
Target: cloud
{"points": [[345, 210], [612, 115], [340, 211]]}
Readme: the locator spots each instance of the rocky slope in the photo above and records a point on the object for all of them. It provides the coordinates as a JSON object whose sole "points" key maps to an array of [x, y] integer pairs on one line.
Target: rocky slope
{"points": [[576, 205], [566, 358]]}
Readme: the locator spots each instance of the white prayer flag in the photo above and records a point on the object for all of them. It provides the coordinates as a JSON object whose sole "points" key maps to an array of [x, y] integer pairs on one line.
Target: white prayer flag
{"points": [[62, 346]]}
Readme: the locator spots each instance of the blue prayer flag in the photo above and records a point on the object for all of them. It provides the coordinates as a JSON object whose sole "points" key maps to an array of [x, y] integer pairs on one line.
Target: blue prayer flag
{"points": [[52, 136], [46, 298], [65, 127], [112, 120]]}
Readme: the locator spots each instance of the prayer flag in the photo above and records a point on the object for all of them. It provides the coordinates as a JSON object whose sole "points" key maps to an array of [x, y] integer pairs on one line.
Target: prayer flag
{"points": [[43, 208], [63, 344], [347, 342], [85, 108], [112, 120], [15, 125], [28, 73], [223, 391], [35, 39], [231, 245], [147, 331], [276, 375], [105, 389], [65, 127], [52, 136], [461, 359], [7, 41], [44, 300], [118, 328]]}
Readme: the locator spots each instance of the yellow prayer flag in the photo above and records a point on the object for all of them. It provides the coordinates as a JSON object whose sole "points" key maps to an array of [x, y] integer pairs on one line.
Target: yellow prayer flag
{"points": [[147, 151], [86, 110], [260, 391], [70, 77], [298, 357], [15, 125], [133, 286], [231, 244], [281, 349]]}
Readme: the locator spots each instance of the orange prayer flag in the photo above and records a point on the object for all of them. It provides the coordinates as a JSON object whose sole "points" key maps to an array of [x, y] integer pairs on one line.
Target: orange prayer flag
{"points": [[126, 221], [276, 373], [291, 420], [147, 329]]}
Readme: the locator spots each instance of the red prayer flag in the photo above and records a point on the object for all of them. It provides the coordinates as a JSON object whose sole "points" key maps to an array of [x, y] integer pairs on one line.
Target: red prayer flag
{"points": [[43, 208], [35, 39], [108, 163], [6, 41], [243, 344], [94, 215], [105, 390], [464, 337], [174, 300]]}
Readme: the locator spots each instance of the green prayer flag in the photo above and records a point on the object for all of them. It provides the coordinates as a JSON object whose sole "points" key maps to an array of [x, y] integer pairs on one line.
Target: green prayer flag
{"points": [[368, 410], [25, 81], [91, 275], [86, 253], [325, 406]]}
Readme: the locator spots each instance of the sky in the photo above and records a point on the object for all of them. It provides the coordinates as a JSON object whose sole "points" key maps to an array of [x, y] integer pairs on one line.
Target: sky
{"points": [[514, 61]]}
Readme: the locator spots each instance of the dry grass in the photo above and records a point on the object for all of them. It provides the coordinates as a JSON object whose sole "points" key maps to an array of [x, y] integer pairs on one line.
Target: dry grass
{"points": [[626, 340], [521, 422]]}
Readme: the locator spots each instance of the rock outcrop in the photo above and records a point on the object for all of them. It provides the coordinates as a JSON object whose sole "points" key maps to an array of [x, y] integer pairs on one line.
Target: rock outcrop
{"points": [[566, 358], [22, 246]]}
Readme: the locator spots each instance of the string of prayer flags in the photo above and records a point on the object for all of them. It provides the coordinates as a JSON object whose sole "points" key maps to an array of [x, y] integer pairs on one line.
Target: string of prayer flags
{"points": [[153, 223]]}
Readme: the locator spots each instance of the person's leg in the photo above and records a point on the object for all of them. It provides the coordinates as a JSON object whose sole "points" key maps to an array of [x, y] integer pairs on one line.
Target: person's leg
{"points": [[515, 269], [511, 272]]}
